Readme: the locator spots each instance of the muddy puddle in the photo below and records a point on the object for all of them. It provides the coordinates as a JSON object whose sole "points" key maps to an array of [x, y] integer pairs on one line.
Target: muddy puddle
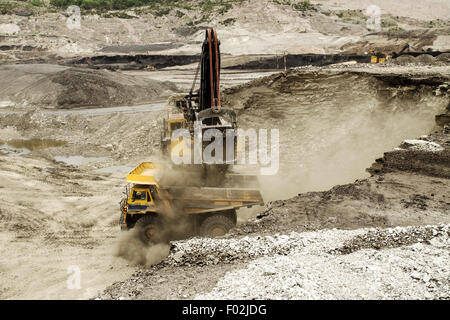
{"points": [[22, 146]]}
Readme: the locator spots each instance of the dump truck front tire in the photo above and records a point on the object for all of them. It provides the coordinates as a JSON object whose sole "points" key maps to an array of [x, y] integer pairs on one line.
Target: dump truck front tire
{"points": [[150, 230], [216, 226]]}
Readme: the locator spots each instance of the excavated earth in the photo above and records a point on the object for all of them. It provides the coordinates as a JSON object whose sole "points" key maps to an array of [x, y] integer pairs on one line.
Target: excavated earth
{"points": [[384, 236], [359, 207], [328, 225], [53, 86]]}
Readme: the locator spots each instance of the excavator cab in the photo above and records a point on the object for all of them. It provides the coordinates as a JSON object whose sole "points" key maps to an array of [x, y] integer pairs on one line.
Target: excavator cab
{"points": [[175, 121]]}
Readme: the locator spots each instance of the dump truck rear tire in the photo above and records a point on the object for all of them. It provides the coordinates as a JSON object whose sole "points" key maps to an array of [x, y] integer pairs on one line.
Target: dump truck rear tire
{"points": [[216, 226], [150, 230]]}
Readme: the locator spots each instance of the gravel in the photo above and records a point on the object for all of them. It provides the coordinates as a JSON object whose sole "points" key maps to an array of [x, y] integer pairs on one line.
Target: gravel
{"points": [[313, 270], [206, 251], [421, 145]]}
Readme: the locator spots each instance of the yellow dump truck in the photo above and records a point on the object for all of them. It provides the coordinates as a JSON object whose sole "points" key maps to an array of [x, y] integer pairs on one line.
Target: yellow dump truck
{"points": [[164, 204]]}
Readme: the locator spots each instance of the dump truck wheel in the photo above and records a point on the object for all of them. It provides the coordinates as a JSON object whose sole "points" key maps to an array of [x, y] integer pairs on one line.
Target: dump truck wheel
{"points": [[216, 226], [149, 229]]}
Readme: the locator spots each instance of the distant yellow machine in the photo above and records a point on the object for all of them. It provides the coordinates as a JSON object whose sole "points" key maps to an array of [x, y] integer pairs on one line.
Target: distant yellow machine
{"points": [[377, 57]]}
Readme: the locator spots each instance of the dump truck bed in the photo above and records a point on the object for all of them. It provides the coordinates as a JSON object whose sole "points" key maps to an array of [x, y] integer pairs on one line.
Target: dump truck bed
{"points": [[215, 194], [195, 199], [200, 200], [147, 173]]}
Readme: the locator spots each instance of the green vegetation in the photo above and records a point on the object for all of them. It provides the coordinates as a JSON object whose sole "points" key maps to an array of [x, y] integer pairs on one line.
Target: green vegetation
{"points": [[9, 7], [37, 3], [161, 11], [224, 8], [304, 6], [388, 22], [438, 23], [99, 4], [158, 8], [396, 29], [352, 16], [117, 14], [283, 2], [179, 14], [5, 7]]}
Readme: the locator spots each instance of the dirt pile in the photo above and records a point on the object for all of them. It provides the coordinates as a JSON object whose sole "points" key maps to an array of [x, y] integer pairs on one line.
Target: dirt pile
{"points": [[305, 265], [428, 155], [417, 271], [392, 238], [54, 86], [422, 59], [205, 251], [109, 134]]}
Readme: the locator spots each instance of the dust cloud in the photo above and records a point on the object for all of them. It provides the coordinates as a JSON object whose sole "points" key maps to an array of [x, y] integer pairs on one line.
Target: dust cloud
{"points": [[340, 154], [131, 248], [330, 136]]}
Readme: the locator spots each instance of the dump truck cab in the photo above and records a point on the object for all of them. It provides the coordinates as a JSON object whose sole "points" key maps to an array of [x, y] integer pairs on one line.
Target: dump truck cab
{"points": [[140, 199]]}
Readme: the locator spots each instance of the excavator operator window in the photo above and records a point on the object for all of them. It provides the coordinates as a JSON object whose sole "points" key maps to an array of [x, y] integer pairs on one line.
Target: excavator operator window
{"points": [[175, 125]]}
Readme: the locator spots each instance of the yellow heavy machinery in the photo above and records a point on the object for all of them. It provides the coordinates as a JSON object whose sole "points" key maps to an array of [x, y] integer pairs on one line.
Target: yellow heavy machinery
{"points": [[201, 111], [167, 201], [377, 57], [164, 208]]}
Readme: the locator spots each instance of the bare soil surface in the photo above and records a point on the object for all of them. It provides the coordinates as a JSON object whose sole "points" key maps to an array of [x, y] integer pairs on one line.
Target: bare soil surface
{"points": [[316, 245], [245, 27], [59, 196], [62, 176], [54, 86]]}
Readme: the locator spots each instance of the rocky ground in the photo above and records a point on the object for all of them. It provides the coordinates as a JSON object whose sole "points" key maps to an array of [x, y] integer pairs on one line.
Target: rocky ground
{"points": [[300, 248], [393, 263], [360, 205], [245, 27], [81, 177]]}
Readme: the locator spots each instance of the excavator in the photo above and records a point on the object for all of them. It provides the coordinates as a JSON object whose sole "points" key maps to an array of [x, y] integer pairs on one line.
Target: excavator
{"points": [[202, 110], [170, 201]]}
